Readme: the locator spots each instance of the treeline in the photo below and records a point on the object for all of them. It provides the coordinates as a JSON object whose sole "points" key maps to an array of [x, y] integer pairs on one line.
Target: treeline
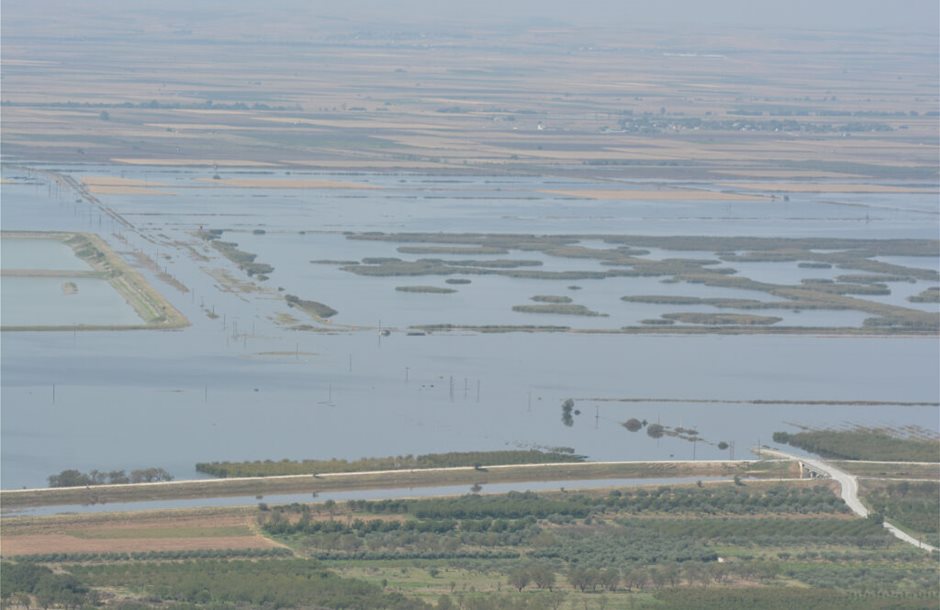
{"points": [[863, 444], [155, 555], [707, 500], [455, 459], [75, 478], [282, 583], [276, 524], [749, 531], [397, 539], [776, 598], [618, 545], [891, 579]]}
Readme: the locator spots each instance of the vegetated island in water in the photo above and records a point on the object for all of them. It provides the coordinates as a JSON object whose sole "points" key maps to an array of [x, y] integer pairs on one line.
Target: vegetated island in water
{"points": [[931, 295], [626, 259], [425, 289], [564, 309], [737, 319], [269, 468], [314, 309], [152, 308]]}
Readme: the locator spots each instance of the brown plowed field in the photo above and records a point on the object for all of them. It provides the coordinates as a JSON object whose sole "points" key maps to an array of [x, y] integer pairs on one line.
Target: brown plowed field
{"points": [[128, 533]]}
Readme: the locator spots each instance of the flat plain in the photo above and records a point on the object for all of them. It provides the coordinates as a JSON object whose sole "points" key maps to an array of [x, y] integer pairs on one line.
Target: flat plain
{"points": [[427, 237]]}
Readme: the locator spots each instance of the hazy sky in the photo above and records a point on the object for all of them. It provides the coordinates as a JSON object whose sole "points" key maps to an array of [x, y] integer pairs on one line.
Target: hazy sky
{"points": [[826, 14], [898, 15]]}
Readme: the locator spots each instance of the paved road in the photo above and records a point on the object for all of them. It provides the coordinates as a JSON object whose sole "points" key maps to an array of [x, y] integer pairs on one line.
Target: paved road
{"points": [[849, 484]]}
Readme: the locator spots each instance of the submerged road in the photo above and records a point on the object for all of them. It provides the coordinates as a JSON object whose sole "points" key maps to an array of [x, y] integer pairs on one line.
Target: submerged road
{"points": [[849, 485]]}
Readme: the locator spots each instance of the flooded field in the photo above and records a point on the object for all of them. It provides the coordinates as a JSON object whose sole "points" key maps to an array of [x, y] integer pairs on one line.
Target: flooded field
{"points": [[42, 301], [253, 378], [57, 281], [46, 284], [34, 253]]}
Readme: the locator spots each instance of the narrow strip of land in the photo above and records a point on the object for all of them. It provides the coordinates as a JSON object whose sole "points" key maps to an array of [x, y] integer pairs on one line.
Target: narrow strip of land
{"points": [[388, 479], [760, 401]]}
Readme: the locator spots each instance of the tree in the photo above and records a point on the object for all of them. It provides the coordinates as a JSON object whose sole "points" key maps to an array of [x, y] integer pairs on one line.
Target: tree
{"points": [[718, 572], [658, 577], [633, 424], [543, 576], [69, 478], [697, 573], [22, 599], [671, 574], [582, 578], [116, 477], [150, 475], [519, 578], [579, 578], [566, 408], [636, 578], [610, 578], [655, 430], [556, 599]]}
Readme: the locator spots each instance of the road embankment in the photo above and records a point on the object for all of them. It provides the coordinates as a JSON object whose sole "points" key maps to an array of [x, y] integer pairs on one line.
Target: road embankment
{"points": [[390, 479]]}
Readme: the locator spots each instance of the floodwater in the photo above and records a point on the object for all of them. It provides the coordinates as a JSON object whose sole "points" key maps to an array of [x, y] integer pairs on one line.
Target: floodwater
{"points": [[241, 386], [45, 301], [60, 300], [31, 253]]}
